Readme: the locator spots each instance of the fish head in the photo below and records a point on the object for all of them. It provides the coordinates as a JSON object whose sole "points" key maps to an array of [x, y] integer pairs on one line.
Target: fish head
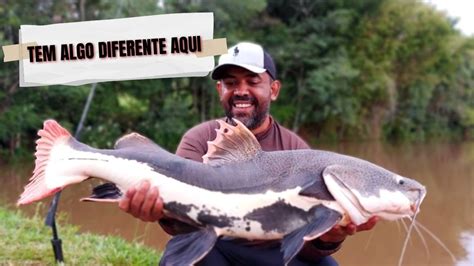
{"points": [[365, 190]]}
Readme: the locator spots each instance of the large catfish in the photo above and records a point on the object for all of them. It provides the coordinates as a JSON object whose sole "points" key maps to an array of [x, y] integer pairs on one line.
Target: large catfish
{"points": [[239, 191]]}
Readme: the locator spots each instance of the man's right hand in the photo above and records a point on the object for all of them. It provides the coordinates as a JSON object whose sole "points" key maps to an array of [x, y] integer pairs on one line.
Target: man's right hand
{"points": [[143, 202]]}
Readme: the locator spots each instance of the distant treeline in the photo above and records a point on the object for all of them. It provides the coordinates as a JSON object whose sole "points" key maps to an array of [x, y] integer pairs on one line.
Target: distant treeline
{"points": [[372, 69]]}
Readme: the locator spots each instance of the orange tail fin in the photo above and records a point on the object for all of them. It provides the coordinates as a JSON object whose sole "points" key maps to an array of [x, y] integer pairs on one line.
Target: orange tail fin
{"points": [[51, 134]]}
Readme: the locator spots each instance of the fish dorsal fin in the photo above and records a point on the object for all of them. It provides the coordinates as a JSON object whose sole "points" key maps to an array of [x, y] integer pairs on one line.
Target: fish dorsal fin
{"points": [[134, 140], [232, 144]]}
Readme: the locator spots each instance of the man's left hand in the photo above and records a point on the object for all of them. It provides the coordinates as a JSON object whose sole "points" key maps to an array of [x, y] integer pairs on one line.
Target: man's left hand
{"points": [[339, 233]]}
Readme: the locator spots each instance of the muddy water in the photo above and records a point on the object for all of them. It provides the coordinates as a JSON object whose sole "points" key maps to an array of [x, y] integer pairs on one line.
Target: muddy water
{"points": [[447, 170]]}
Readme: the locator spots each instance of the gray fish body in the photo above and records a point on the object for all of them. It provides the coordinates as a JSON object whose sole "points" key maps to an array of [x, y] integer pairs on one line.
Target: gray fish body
{"points": [[239, 190], [276, 171], [269, 171]]}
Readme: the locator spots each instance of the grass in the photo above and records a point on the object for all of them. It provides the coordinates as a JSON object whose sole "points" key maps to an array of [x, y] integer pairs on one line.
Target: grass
{"points": [[27, 241]]}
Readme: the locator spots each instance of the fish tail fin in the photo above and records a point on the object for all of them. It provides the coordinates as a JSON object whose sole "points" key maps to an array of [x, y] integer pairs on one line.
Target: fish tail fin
{"points": [[41, 185]]}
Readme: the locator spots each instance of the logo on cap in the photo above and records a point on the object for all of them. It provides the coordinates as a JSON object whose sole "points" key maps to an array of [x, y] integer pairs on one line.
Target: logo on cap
{"points": [[236, 51]]}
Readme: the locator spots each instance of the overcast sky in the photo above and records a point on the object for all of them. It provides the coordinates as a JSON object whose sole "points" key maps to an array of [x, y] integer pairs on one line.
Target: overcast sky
{"points": [[461, 9]]}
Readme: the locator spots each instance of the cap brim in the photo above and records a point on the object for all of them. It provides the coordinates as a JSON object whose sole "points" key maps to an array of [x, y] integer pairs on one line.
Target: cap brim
{"points": [[218, 71]]}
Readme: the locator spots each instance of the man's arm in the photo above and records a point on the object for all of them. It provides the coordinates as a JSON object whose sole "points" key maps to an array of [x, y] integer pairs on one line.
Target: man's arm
{"points": [[192, 146], [331, 242], [144, 202]]}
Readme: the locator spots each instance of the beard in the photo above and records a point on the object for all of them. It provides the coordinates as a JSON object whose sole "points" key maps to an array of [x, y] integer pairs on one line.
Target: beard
{"points": [[250, 120]]}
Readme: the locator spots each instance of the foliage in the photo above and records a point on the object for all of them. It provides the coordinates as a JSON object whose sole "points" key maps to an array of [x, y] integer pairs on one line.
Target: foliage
{"points": [[27, 241], [378, 69]]}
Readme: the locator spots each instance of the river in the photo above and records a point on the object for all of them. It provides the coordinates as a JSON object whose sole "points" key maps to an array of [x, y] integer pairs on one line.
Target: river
{"points": [[446, 169]]}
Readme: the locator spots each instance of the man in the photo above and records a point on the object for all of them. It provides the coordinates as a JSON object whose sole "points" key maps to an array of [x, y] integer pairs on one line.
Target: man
{"points": [[246, 84]]}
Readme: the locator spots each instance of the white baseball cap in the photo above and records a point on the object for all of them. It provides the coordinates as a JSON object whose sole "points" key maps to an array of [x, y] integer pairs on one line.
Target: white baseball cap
{"points": [[248, 55]]}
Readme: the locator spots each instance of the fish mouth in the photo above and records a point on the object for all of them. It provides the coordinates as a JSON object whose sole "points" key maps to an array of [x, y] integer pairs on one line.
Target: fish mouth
{"points": [[421, 197], [415, 206]]}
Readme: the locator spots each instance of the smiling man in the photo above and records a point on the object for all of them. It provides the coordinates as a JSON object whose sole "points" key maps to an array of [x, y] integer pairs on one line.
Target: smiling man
{"points": [[247, 84]]}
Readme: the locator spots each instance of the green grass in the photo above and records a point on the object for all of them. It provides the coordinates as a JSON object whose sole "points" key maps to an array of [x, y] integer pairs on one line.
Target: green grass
{"points": [[27, 241]]}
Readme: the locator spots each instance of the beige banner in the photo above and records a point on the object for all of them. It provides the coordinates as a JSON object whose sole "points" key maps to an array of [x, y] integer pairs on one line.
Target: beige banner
{"points": [[16, 52], [213, 47], [101, 65]]}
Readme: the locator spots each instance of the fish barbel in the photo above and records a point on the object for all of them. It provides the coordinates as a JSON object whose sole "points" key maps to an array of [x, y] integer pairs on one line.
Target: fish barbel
{"points": [[239, 190]]}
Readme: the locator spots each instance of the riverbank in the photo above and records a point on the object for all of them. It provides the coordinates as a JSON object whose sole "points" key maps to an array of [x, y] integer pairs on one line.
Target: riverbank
{"points": [[27, 241]]}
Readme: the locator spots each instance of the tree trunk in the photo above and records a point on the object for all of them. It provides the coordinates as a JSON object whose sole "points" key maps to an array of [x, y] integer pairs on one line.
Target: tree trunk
{"points": [[82, 10], [299, 99]]}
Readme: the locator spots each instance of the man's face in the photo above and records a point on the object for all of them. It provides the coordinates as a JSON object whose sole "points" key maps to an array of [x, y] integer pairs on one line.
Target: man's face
{"points": [[246, 96]]}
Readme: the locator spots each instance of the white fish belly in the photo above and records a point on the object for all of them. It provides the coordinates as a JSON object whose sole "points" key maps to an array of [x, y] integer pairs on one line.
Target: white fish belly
{"points": [[227, 212], [230, 211]]}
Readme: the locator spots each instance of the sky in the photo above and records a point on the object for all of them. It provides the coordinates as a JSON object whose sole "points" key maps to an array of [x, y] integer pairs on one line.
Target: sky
{"points": [[461, 9]]}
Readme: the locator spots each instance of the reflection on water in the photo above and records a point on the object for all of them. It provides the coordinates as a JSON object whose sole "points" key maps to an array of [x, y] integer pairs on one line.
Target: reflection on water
{"points": [[467, 240], [447, 171]]}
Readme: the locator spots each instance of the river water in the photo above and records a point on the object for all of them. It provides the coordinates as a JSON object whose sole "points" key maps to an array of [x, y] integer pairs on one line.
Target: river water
{"points": [[446, 169]]}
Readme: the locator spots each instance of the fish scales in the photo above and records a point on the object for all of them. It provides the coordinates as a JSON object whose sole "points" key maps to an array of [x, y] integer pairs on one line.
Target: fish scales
{"points": [[202, 198]]}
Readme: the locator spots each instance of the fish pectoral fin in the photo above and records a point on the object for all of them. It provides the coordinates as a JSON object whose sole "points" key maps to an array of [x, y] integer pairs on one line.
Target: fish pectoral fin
{"points": [[316, 189], [188, 249], [324, 220], [346, 184], [107, 192]]}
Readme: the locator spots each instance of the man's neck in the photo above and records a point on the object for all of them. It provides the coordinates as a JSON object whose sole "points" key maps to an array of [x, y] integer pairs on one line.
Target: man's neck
{"points": [[263, 127]]}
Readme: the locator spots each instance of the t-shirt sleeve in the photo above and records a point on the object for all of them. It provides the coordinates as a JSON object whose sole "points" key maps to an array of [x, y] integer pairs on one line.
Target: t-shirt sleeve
{"points": [[292, 141], [190, 146], [300, 143], [193, 144]]}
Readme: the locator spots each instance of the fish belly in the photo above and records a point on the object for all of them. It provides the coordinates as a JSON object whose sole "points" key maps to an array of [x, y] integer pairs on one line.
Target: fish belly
{"points": [[269, 215]]}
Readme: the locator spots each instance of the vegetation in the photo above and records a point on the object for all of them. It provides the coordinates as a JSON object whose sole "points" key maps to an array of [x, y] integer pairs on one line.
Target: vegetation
{"points": [[371, 69], [27, 241]]}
